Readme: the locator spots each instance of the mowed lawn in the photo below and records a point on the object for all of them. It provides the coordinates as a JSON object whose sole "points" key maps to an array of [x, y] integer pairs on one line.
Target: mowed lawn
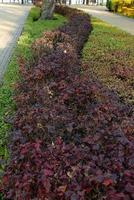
{"points": [[109, 57], [32, 30]]}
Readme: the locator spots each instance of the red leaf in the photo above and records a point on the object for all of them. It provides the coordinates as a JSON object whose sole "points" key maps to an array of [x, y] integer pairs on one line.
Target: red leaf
{"points": [[62, 188], [107, 182], [48, 172], [5, 179]]}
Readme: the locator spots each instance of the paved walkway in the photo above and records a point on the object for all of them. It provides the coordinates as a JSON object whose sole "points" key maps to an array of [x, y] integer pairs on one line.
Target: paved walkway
{"points": [[101, 12], [12, 18]]}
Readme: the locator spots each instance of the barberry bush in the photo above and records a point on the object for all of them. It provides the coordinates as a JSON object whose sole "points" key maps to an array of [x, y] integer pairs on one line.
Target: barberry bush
{"points": [[71, 138]]}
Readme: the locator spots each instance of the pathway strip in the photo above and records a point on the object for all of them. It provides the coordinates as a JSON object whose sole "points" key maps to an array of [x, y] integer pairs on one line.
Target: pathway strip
{"points": [[12, 18], [101, 12]]}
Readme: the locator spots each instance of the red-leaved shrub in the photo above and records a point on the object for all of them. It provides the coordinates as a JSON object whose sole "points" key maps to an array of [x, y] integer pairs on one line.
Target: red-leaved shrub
{"points": [[71, 138], [91, 170]]}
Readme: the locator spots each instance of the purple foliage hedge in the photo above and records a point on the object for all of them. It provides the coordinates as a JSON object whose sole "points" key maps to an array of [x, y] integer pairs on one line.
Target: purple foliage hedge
{"points": [[72, 139]]}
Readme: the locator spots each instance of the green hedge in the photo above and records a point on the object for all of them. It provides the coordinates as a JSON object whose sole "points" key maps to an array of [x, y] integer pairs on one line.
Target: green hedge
{"points": [[35, 13]]}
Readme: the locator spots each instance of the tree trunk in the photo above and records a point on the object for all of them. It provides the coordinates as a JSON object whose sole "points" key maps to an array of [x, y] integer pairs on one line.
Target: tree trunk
{"points": [[47, 9], [64, 2], [87, 2], [70, 2], [83, 1]]}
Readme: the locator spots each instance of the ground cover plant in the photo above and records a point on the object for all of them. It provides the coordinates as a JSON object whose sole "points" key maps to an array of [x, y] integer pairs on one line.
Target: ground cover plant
{"points": [[71, 137], [109, 56], [32, 30]]}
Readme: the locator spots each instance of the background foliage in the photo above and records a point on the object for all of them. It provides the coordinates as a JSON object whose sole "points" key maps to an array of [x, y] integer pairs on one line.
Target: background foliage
{"points": [[126, 7]]}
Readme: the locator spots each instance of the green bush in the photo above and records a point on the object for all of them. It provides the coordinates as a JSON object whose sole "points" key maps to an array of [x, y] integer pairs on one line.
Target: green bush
{"points": [[109, 5], [112, 5], [35, 13]]}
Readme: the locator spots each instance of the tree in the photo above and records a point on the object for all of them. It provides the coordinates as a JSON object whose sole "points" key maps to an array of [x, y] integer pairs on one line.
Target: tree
{"points": [[64, 2], [47, 9]]}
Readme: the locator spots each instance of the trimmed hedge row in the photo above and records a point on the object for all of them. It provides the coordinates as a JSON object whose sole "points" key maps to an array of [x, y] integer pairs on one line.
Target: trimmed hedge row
{"points": [[71, 138], [78, 26]]}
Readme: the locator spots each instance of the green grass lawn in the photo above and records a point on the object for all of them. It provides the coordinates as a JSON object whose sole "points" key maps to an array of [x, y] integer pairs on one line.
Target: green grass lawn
{"points": [[32, 30], [109, 55]]}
